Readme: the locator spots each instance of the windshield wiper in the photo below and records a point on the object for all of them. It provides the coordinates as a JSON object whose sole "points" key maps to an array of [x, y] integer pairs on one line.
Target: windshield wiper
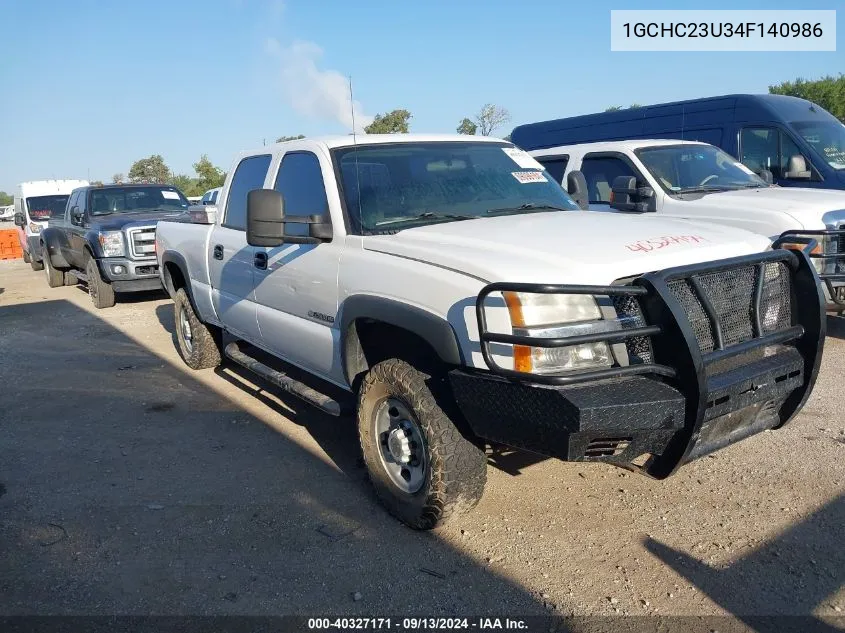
{"points": [[427, 215], [702, 189], [528, 206]]}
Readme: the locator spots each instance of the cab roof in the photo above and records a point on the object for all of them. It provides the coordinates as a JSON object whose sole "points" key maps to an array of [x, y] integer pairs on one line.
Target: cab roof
{"points": [[612, 146]]}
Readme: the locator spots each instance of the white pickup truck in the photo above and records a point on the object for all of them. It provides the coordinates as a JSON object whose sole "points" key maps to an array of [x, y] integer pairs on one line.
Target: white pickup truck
{"points": [[451, 294], [697, 181]]}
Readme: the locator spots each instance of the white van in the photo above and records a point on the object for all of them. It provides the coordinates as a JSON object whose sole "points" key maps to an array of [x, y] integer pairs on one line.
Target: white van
{"points": [[35, 203]]}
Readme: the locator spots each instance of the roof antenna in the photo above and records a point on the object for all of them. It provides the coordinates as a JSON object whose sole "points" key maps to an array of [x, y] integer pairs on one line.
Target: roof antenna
{"points": [[355, 152]]}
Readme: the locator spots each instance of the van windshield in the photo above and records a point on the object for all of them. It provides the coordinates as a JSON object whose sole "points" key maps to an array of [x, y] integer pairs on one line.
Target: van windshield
{"points": [[42, 208], [697, 168], [136, 200], [827, 138], [388, 187]]}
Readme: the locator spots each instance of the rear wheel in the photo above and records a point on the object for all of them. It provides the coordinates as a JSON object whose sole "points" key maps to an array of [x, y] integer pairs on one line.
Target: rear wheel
{"points": [[196, 341], [55, 278], [100, 291], [423, 469]]}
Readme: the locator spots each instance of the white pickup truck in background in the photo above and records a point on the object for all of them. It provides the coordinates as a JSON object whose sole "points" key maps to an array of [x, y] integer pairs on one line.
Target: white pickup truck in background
{"points": [[451, 294], [697, 181]]}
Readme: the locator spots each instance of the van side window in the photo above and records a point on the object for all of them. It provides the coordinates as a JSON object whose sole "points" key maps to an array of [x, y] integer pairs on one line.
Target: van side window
{"points": [[300, 181], [249, 175], [555, 165], [600, 172]]}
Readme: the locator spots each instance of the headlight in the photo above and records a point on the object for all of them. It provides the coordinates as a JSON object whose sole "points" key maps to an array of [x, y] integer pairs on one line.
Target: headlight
{"points": [[557, 316], [112, 244], [34, 227], [825, 246]]}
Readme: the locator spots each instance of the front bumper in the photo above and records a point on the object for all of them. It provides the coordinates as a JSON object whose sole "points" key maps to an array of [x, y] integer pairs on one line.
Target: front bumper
{"points": [[128, 275], [683, 404]]}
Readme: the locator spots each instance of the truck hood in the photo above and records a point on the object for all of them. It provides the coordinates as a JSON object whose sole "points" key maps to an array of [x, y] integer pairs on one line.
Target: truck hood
{"points": [[810, 208], [566, 247], [118, 221]]}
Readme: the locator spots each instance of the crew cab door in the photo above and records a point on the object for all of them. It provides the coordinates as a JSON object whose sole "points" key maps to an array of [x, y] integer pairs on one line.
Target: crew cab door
{"points": [[231, 261], [296, 289], [74, 229]]}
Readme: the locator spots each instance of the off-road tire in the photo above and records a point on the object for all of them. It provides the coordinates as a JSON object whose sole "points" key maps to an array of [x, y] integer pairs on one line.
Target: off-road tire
{"points": [[204, 349], [55, 278], [100, 291], [457, 468]]}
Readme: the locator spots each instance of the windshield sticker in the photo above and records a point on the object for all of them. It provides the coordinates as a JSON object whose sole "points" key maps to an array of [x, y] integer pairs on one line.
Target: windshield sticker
{"points": [[522, 158], [526, 177], [170, 195], [653, 244]]}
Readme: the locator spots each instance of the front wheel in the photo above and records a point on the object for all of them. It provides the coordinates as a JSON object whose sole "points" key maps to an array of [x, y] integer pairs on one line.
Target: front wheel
{"points": [[100, 291], [55, 278], [423, 469]]}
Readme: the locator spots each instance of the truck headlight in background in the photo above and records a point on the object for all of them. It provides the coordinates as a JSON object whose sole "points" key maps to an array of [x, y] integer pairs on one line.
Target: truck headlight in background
{"points": [[826, 245], [112, 243], [34, 228], [557, 316]]}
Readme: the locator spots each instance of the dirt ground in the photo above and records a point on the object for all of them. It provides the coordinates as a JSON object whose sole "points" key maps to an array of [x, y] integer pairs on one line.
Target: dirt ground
{"points": [[131, 485]]}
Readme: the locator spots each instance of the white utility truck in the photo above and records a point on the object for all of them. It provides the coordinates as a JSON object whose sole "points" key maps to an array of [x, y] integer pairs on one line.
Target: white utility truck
{"points": [[450, 294], [35, 203], [697, 181]]}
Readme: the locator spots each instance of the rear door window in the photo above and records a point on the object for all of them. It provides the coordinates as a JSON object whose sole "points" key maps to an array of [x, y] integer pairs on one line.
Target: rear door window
{"points": [[599, 172], [555, 165], [249, 175]]}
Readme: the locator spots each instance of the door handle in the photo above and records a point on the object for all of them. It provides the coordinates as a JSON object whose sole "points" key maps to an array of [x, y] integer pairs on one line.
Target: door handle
{"points": [[260, 261], [218, 251]]}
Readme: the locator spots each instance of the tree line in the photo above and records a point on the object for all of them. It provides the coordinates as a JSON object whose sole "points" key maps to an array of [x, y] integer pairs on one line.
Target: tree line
{"points": [[153, 169]]}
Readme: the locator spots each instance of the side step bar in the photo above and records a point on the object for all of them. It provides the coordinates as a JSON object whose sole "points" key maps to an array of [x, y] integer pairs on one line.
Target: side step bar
{"points": [[283, 381]]}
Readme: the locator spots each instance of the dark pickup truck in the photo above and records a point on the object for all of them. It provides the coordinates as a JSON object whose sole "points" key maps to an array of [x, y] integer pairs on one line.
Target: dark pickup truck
{"points": [[106, 238]]}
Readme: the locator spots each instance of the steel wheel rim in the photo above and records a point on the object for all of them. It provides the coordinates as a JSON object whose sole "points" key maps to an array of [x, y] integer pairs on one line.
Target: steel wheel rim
{"points": [[401, 447], [185, 330]]}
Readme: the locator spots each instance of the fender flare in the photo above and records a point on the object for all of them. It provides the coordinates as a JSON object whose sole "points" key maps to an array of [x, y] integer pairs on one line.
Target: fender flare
{"points": [[50, 248], [172, 258], [433, 329]]}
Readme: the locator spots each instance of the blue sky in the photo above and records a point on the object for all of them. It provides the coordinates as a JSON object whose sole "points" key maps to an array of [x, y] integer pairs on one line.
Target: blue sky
{"points": [[92, 86]]}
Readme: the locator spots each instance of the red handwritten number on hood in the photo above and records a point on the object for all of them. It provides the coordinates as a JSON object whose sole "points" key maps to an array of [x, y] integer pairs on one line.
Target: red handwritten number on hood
{"points": [[653, 244]]}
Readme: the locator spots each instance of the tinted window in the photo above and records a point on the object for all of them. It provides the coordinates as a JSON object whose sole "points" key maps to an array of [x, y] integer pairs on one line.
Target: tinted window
{"points": [[760, 149], [555, 166], [74, 201], [600, 173], [249, 175], [300, 182]]}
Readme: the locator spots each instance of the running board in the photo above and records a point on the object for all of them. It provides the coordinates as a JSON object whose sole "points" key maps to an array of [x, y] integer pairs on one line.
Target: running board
{"points": [[283, 381]]}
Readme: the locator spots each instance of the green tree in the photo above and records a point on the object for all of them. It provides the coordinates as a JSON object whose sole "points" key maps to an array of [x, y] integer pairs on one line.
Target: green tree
{"points": [[117, 178], [152, 169], [467, 127], [187, 185], [96, 183], [828, 92], [282, 139], [490, 117], [633, 106], [394, 122], [6, 199], [208, 175]]}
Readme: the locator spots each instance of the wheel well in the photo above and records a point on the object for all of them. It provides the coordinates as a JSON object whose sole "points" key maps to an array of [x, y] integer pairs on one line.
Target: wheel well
{"points": [[370, 341], [174, 278]]}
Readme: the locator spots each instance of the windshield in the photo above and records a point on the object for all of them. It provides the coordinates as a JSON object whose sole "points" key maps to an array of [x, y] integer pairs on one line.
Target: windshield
{"points": [[827, 138], [690, 168], [42, 208], [136, 200], [410, 184]]}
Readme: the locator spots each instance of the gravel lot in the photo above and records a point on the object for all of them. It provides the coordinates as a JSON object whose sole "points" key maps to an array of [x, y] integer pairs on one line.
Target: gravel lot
{"points": [[131, 485]]}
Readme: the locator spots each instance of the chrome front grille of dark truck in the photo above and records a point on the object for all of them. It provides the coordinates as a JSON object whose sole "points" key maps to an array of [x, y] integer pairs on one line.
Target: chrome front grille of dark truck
{"points": [[142, 242]]}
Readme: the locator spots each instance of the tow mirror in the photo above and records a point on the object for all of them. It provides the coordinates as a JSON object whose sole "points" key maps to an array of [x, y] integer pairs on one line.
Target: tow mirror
{"points": [[265, 216], [627, 196], [20, 220], [76, 215]]}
